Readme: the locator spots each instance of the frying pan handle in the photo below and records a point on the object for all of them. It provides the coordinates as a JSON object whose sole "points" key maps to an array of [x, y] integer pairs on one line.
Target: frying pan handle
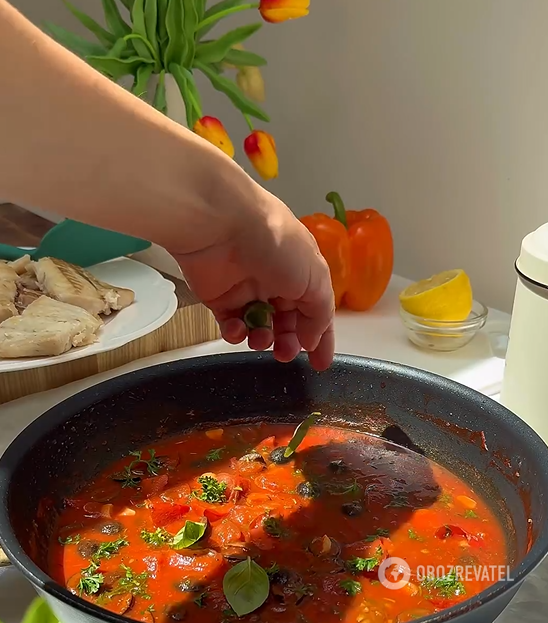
{"points": [[4, 561], [7, 252]]}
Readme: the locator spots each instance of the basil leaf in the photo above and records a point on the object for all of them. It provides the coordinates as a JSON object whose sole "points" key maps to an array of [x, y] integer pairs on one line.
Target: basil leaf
{"points": [[39, 612], [176, 48], [242, 58], [217, 8], [189, 93], [189, 534], [141, 80], [233, 92], [116, 67], [104, 36], [151, 23], [300, 434], [80, 46], [215, 51], [246, 587], [114, 20], [160, 100], [190, 22]]}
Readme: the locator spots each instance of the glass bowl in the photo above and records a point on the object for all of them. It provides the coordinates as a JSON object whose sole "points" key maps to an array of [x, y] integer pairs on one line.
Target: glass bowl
{"points": [[441, 335]]}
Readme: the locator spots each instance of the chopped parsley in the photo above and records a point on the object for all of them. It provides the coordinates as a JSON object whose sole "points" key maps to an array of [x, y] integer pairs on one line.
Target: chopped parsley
{"points": [[213, 491], [470, 514], [445, 499], [413, 535], [70, 540], [379, 532], [273, 527], [109, 549], [448, 585], [134, 583], [215, 455], [159, 537], [399, 500], [199, 601], [273, 569], [130, 477], [90, 580], [343, 488], [351, 587], [356, 564]]}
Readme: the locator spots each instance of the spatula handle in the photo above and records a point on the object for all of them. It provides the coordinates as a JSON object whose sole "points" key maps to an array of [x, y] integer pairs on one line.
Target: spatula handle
{"points": [[7, 252]]}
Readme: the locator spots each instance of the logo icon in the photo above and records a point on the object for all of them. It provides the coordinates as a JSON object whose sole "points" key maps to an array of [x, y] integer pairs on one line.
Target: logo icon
{"points": [[394, 573]]}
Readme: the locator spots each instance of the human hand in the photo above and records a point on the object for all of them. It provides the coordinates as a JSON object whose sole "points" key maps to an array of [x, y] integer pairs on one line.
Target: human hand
{"points": [[268, 256]]}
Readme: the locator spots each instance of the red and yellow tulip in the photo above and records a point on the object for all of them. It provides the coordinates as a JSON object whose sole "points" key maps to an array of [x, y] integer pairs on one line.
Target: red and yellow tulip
{"points": [[214, 131], [250, 80], [260, 148], [276, 11]]}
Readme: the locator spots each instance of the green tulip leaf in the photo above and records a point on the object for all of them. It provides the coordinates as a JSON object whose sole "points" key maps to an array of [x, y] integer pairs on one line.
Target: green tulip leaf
{"points": [[151, 23], [160, 100], [128, 4], [242, 58], [104, 36], [116, 68], [142, 45], [162, 29], [114, 19], [217, 8], [140, 85], [233, 92], [176, 47], [189, 93], [216, 51], [118, 49], [190, 22], [80, 46]]}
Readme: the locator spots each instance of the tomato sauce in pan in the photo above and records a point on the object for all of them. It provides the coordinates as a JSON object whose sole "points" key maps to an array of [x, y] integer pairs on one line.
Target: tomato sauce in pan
{"points": [[220, 523]]}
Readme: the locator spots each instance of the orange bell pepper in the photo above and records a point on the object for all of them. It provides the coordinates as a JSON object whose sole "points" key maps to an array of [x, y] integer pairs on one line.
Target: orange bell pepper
{"points": [[358, 247]]}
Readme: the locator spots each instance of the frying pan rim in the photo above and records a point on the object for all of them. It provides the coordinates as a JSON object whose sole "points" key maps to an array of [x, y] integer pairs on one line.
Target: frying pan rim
{"points": [[57, 414]]}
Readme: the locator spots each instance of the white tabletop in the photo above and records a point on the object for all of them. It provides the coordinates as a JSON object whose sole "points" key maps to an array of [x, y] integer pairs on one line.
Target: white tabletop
{"points": [[376, 334]]}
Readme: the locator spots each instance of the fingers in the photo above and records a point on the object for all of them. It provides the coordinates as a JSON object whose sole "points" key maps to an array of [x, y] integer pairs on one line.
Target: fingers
{"points": [[322, 357], [316, 313], [286, 344]]}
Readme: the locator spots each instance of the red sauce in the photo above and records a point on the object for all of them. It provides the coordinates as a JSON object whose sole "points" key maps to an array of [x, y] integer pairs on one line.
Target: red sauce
{"points": [[320, 524]]}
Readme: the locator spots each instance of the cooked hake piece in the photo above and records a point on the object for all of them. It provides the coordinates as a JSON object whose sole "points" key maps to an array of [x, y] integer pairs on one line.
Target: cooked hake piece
{"points": [[76, 286], [8, 291], [20, 266], [47, 328]]}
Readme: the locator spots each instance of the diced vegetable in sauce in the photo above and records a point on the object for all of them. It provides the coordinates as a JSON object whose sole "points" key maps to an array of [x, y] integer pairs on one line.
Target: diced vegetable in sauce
{"points": [[221, 526]]}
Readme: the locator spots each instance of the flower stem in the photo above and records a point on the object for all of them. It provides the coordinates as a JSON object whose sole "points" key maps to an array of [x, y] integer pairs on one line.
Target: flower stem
{"points": [[248, 121], [222, 14]]}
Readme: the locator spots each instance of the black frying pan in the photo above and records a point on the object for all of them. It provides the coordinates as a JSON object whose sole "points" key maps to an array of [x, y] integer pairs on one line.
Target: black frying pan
{"points": [[470, 434]]}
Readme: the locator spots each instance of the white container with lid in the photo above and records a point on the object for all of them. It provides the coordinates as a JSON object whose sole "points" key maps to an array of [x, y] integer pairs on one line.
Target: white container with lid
{"points": [[525, 384]]}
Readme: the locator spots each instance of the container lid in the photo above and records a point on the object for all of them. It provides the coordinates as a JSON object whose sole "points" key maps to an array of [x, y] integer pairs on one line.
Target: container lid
{"points": [[533, 259]]}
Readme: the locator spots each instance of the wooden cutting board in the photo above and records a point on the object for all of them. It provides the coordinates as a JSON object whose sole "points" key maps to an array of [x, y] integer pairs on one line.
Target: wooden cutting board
{"points": [[192, 324]]}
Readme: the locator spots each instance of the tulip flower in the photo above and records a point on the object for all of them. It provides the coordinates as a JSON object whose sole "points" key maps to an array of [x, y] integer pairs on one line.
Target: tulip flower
{"points": [[214, 131], [250, 80], [276, 11], [261, 150]]}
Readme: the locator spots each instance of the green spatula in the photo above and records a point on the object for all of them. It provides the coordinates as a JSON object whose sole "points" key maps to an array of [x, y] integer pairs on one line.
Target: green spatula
{"points": [[80, 244]]}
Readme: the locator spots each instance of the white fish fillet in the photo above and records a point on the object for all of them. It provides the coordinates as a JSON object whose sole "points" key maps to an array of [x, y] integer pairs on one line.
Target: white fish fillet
{"points": [[76, 286], [20, 266], [47, 328], [8, 291]]}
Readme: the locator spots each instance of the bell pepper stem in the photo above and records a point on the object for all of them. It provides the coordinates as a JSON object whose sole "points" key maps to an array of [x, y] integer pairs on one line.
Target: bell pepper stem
{"points": [[338, 206]]}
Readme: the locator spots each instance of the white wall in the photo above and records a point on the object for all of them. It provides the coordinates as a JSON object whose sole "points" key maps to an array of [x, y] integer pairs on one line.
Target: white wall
{"points": [[433, 111]]}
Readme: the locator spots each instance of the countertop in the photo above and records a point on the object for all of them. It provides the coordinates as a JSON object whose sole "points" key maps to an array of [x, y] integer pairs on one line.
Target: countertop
{"points": [[377, 334]]}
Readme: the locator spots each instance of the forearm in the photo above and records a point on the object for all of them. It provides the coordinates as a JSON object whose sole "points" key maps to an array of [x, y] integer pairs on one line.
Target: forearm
{"points": [[74, 143]]}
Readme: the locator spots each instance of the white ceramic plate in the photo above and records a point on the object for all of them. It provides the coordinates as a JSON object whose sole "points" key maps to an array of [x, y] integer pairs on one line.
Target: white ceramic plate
{"points": [[155, 303]]}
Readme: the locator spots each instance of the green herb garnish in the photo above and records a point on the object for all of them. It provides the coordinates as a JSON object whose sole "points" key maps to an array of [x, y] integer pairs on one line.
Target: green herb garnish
{"points": [[379, 532], [353, 487], [189, 534], [356, 564], [448, 585], [273, 569], [199, 601], [351, 587], [300, 434], [399, 500], [213, 491], [90, 580], [273, 527], [159, 537], [470, 514], [215, 455], [246, 587], [445, 499], [109, 549], [413, 535], [70, 540], [129, 477], [134, 583]]}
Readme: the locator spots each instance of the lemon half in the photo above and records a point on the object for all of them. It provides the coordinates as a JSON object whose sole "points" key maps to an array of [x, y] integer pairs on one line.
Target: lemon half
{"points": [[446, 296]]}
